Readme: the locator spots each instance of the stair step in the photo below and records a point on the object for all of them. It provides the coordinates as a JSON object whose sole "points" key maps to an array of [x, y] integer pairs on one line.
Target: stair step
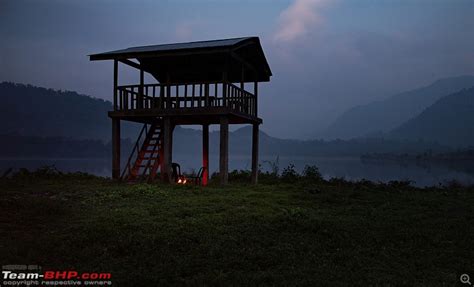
{"points": [[147, 160]]}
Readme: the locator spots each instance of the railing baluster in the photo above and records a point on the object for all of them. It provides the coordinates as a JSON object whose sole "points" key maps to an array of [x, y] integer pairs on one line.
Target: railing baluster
{"points": [[206, 95], [224, 93], [162, 95], [134, 97], [168, 96], [177, 97], [125, 100], [200, 95], [185, 95], [120, 104], [192, 101], [215, 94]]}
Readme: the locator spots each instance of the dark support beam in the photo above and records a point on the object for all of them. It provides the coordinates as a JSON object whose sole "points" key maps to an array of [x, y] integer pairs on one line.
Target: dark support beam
{"points": [[115, 84], [205, 154], [115, 149], [243, 61], [255, 92], [206, 95], [130, 63], [140, 94], [224, 88], [224, 150], [167, 134], [255, 134], [242, 78], [168, 91], [171, 141]]}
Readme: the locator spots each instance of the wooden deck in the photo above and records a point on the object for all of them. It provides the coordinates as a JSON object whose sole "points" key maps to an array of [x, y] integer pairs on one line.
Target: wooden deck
{"points": [[202, 103]]}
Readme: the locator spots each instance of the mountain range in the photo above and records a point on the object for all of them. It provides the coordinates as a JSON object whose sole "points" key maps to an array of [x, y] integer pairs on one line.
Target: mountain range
{"points": [[450, 121], [78, 124], [380, 117]]}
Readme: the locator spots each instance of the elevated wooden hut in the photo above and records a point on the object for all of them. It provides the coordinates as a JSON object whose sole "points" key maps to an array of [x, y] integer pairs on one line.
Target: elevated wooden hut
{"points": [[198, 83]]}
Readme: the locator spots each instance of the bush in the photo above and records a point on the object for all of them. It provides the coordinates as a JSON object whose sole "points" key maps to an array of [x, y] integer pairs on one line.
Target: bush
{"points": [[312, 173], [289, 174], [242, 176]]}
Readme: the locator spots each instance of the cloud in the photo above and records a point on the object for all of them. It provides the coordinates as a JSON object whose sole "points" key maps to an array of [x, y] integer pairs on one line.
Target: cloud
{"points": [[189, 30], [184, 31], [298, 19]]}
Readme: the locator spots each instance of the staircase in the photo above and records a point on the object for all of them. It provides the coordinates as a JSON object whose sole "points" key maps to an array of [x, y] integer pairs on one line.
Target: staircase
{"points": [[144, 160]]}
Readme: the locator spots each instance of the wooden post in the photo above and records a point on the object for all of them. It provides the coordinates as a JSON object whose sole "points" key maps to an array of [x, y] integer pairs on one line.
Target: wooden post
{"points": [[205, 153], [242, 79], [224, 150], [141, 92], [168, 91], [224, 89], [171, 142], [116, 148], [255, 134], [115, 84], [166, 166], [162, 96], [206, 95], [255, 93]]}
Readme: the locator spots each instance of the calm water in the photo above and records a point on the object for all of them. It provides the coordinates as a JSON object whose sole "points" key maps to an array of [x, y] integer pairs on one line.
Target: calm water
{"points": [[349, 168]]}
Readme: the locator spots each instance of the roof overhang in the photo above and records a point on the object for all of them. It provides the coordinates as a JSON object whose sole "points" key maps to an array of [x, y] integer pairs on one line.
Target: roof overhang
{"points": [[239, 58]]}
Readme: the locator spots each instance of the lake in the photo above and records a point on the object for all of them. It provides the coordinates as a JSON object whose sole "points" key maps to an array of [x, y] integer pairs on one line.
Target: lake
{"points": [[351, 168]]}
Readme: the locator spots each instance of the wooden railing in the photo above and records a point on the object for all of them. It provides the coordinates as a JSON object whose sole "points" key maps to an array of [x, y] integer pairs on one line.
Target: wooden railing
{"points": [[180, 96]]}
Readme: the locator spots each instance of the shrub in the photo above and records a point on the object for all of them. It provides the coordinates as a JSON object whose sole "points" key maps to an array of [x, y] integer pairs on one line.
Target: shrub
{"points": [[401, 183], [243, 176], [311, 172], [289, 174]]}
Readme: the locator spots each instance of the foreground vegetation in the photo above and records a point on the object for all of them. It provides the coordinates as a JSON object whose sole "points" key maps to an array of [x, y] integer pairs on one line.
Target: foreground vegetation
{"points": [[293, 230]]}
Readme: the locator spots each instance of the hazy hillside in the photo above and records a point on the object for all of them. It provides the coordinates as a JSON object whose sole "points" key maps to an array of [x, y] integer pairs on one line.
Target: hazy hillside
{"points": [[35, 111], [39, 121], [385, 115], [450, 121]]}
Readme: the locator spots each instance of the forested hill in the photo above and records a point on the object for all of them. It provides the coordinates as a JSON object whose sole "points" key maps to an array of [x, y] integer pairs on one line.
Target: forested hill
{"points": [[34, 111], [448, 121], [385, 115], [39, 121]]}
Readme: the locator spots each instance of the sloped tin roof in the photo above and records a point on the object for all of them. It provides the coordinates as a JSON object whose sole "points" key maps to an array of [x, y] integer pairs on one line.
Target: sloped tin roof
{"points": [[223, 43], [154, 57]]}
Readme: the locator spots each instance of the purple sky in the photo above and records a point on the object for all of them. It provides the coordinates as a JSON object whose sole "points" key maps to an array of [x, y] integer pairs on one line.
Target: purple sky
{"points": [[326, 55]]}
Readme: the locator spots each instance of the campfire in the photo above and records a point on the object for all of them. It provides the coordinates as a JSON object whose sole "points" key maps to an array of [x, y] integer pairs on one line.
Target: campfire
{"points": [[181, 180]]}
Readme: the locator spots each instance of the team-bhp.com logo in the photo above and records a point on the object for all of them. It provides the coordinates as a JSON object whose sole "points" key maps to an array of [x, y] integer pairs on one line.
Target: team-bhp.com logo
{"points": [[26, 275]]}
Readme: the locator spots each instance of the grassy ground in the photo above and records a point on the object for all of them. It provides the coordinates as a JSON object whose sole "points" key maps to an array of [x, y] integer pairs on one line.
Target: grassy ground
{"points": [[304, 233]]}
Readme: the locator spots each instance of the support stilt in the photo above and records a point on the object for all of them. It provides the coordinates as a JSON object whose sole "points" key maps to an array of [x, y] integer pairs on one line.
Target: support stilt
{"points": [[116, 149], [166, 164], [205, 153], [255, 153], [224, 150]]}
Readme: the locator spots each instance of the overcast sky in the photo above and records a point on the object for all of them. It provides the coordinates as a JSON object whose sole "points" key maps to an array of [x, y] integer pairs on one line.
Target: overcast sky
{"points": [[326, 55]]}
